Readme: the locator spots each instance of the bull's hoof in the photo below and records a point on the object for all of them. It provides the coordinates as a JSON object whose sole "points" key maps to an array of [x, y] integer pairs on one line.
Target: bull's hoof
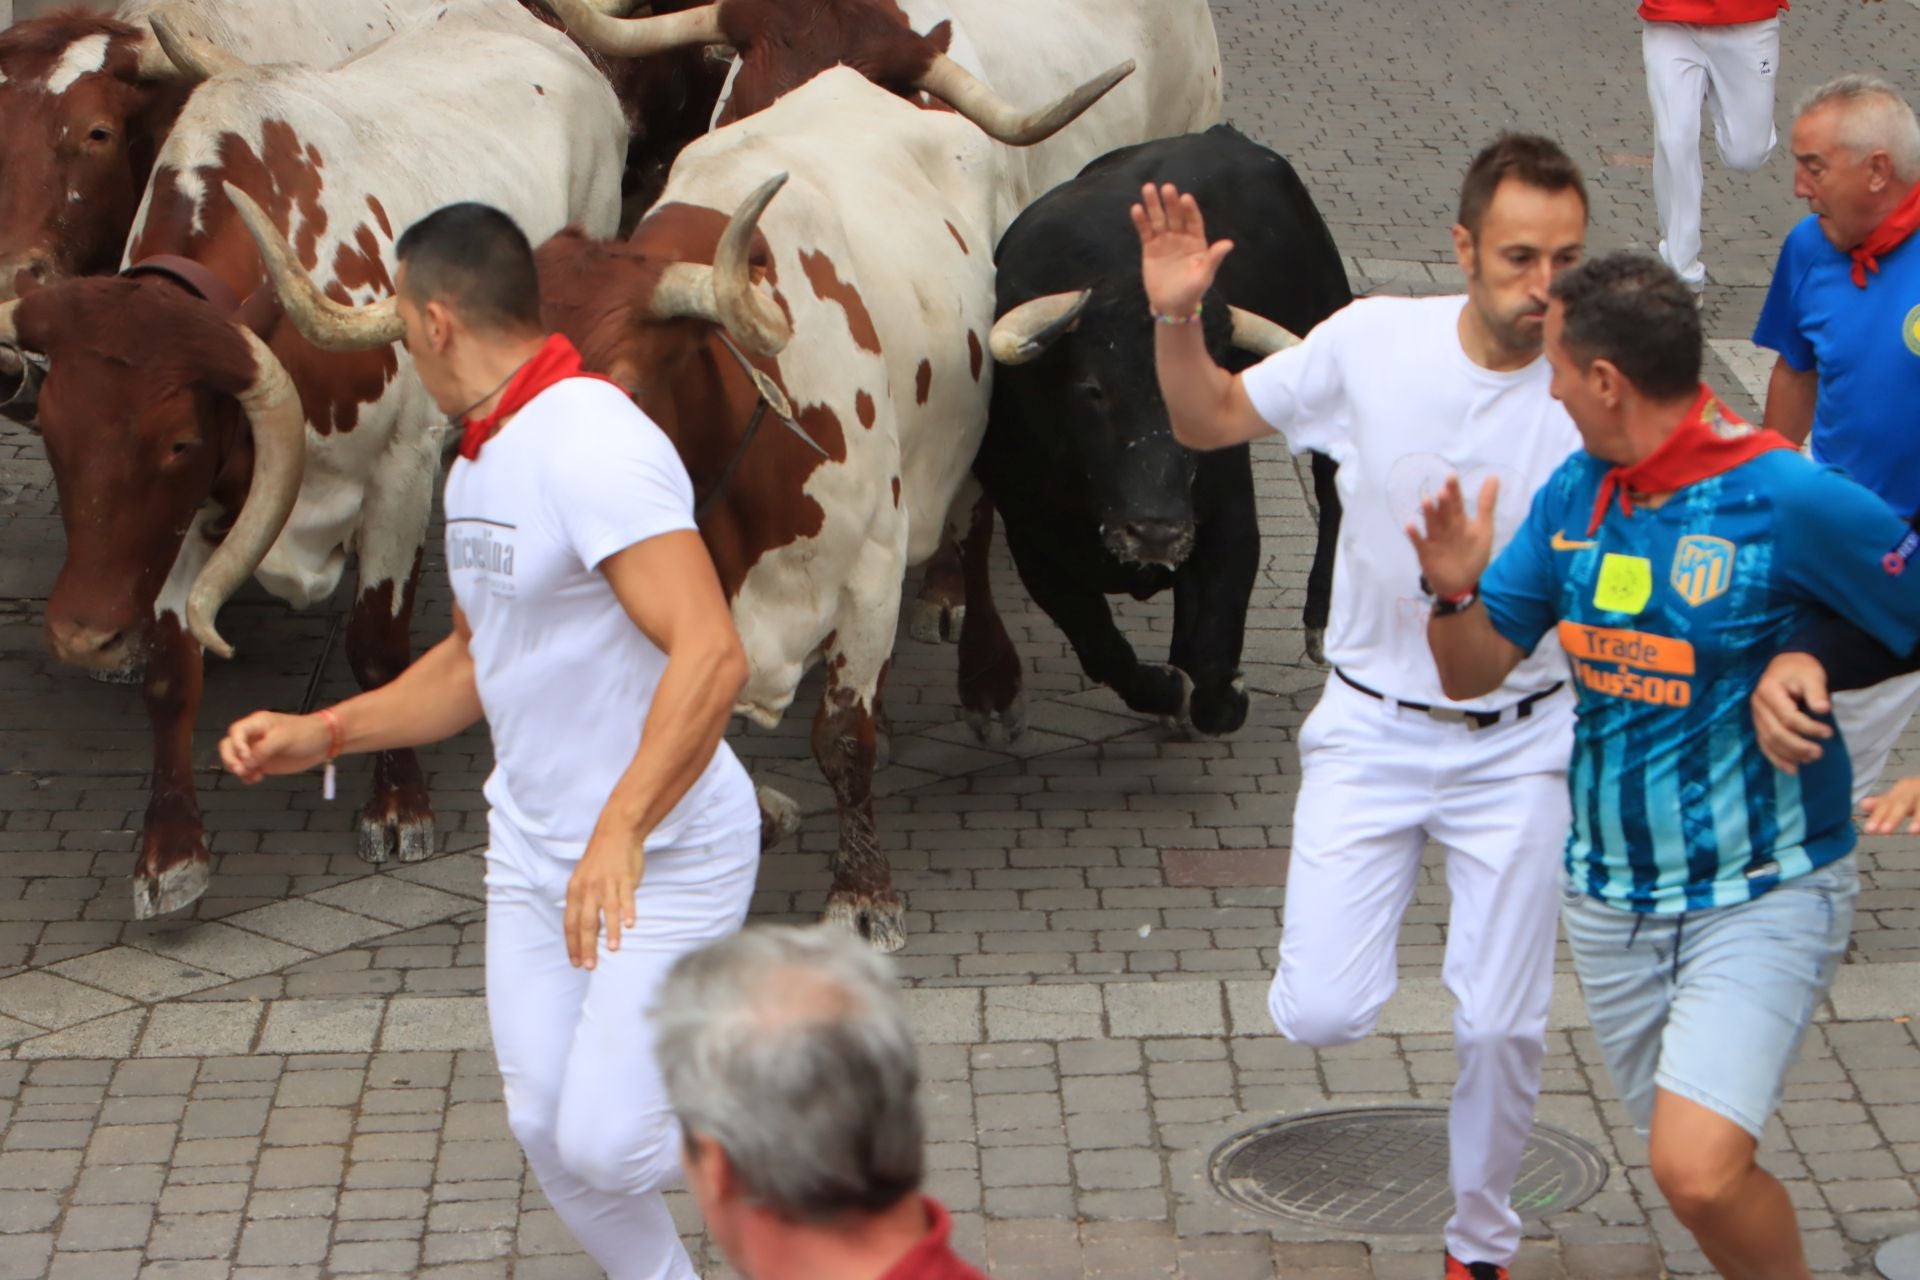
{"points": [[999, 728], [177, 887], [877, 917], [1217, 710], [131, 674], [780, 817], [1163, 691], [931, 621], [385, 835], [1316, 646]]}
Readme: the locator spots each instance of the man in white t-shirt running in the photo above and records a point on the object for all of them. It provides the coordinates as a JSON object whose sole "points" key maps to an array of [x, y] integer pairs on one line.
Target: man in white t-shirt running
{"points": [[1402, 393], [590, 630]]}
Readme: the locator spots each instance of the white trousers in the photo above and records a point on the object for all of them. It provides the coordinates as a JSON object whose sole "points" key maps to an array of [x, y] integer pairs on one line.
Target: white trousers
{"points": [[1730, 68], [575, 1047], [1376, 782], [1872, 720]]}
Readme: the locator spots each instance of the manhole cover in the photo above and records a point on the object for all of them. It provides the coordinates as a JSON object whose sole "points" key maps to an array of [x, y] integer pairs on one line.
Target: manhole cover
{"points": [[1384, 1170]]}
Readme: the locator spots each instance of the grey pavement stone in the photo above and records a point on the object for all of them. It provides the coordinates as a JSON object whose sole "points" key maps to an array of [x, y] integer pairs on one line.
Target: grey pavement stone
{"points": [[182, 1030], [50, 1001], [221, 948], [321, 1026], [1060, 1012], [312, 925], [137, 974], [449, 1022]]}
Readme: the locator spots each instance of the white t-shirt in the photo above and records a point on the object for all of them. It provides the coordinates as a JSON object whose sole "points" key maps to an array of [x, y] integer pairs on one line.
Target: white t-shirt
{"points": [[565, 677], [1384, 388]]}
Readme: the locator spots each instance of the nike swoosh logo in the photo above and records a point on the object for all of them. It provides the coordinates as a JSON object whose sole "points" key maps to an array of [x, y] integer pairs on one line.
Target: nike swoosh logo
{"points": [[1561, 542]]}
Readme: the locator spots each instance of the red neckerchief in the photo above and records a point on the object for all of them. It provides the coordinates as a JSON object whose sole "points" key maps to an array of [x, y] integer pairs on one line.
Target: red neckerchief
{"points": [[556, 362], [1888, 236], [1709, 440], [933, 1258]]}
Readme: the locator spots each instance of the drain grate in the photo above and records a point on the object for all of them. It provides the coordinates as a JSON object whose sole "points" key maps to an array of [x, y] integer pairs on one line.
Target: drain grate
{"points": [[1384, 1170]]}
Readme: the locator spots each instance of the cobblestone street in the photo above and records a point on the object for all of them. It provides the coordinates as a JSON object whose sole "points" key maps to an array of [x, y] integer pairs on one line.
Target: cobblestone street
{"points": [[295, 1081]]}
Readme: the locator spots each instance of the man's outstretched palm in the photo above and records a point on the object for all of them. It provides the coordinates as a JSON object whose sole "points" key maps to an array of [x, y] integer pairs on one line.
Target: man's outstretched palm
{"points": [[1177, 265]]}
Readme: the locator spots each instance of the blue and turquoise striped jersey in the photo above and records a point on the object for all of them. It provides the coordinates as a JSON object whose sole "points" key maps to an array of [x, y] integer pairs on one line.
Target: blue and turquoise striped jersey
{"points": [[1668, 617]]}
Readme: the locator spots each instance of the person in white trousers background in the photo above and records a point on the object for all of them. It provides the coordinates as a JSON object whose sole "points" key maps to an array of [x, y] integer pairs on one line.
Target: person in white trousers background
{"points": [[1726, 54], [591, 631], [1402, 393]]}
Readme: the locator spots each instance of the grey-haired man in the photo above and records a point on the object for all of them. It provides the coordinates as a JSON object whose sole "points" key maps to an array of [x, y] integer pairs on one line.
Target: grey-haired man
{"points": [[788, 1057]]}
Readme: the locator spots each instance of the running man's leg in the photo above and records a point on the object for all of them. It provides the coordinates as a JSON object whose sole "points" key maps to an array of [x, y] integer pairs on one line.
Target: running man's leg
{"points": [[1357, 835], [1743, 63], [1506, 846], [1676, 86], [1750, 979], [583, 1094]]}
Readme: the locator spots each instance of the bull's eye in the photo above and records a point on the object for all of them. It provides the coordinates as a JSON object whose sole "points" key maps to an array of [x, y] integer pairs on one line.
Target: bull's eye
{"points": [[181, 448], [1093, 392], [99, 133]]}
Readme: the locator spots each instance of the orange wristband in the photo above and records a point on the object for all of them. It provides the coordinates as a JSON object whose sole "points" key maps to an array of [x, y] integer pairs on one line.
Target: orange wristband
{"points": [[336, 733]]}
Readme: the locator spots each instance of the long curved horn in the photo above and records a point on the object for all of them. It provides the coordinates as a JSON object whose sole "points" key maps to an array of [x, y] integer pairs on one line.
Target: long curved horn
{"points": [[329, 325], [1258, 334], [1025, 332], [724, 293], [597, 30], [279, 458], [189, 56], [953, 84]]}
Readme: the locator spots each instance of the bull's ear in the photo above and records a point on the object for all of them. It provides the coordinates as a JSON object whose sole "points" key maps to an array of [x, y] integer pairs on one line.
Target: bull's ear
{"points": [[1026, 332]]}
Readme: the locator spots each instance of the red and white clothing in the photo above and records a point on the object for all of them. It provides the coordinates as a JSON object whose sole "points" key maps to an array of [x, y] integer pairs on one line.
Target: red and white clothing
{"points": [[566, 681], [1725, 54]]}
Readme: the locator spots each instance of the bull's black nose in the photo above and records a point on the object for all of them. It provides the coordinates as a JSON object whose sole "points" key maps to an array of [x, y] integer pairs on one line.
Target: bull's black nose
{"points": [[1156, 533]]}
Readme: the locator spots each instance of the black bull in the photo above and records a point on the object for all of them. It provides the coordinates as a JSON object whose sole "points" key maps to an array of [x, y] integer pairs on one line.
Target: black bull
{"points": [[1097, 496]]}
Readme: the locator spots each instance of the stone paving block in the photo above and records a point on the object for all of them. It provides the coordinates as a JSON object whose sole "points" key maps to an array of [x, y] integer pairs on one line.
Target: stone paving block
{"points": [[25, 1257], [944, 1016], [197, 1235], [441, 1023], [284, 1243], [1059, 1012], [300, 1202], [121, 1264], [221, 948], [115, 1226], [50, 1001], [137, 974], [394, 901], [321, 1026], [1165, 1008], [311, 925], [181, 1030], [281, 1168]]}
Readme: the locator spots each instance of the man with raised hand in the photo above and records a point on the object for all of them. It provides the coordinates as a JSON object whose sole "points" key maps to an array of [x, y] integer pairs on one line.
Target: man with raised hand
{"points": [[1402, 392]]}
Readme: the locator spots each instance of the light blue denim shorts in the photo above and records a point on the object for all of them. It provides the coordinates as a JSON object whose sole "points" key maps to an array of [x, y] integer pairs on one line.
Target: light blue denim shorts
{"points": [[1711, 1005]]}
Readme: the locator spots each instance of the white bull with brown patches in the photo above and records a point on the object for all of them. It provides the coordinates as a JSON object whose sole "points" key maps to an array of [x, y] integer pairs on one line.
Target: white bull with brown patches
{"points": [[869, 316], [171, 495]]}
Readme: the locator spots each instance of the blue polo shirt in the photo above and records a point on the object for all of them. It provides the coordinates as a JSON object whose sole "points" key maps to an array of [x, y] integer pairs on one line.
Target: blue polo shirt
{"points": [[1865, 344], [1668, 617]]}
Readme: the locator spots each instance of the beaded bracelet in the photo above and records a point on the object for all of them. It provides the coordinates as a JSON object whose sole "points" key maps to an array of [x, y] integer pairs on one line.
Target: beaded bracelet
{"points": [[1160, 317]]}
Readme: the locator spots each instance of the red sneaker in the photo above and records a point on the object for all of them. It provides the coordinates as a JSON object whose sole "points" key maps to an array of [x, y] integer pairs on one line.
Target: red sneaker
{"points": [[1458, 1270]]}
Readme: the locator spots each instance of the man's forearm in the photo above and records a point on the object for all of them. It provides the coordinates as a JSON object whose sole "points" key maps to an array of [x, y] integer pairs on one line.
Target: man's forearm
{"points": [[1791, 396], [1852, 658], [1200, 395], [433, 699], [684, 726], [1472, 656]]}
